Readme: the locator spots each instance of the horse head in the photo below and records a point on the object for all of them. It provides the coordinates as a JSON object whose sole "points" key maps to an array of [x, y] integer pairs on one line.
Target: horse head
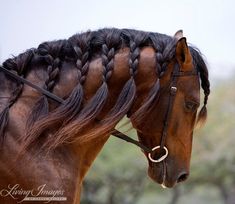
{"points": [[168, 127]]}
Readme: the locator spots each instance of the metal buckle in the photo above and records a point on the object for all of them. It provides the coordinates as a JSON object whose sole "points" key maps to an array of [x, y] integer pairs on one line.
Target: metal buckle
{"points": [[161, 158]]}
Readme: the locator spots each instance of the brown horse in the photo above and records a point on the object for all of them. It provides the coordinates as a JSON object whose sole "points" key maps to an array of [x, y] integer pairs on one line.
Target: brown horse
{"points": [[48, 147]]}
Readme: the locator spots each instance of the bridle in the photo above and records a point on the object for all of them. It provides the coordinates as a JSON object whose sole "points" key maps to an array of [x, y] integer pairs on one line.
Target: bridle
{"points": [[173, 90], [176, 73]]}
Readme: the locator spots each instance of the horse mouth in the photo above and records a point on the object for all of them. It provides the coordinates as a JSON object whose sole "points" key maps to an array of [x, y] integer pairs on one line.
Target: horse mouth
{"points": [[163, 174], [158, 173]]}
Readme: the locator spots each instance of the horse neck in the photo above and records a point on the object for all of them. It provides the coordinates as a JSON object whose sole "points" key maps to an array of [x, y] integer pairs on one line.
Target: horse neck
{"points": [[83, 155], [144, 80]]}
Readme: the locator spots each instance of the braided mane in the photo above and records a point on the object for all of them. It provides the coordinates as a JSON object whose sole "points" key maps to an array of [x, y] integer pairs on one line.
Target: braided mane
{"points": [[72, 117]]}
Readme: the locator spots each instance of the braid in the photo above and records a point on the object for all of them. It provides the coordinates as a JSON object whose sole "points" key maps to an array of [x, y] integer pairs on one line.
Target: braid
{"points": [[202, 116], [82, 64], [81, 47], [205, 84], [107, 61], [206, 99], [18, 66], [53, 72], [159, 70], [159, 63], [128, 93], [78, 48], [164, 53], [134, 58], [50, 53], [108, 41]]}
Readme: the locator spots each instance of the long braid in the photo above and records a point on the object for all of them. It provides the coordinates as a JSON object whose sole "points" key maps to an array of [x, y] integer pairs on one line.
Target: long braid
{"points": [[50, 53], [18, 66], [108, 40], [162, 56], [79, 46], [107, 61], [128, 93], [202, 116], [205, 83]]}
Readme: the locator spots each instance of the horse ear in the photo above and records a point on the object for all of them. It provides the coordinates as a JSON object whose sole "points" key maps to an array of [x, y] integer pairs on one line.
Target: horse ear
{"points": [[183, 55], [179, 34]]}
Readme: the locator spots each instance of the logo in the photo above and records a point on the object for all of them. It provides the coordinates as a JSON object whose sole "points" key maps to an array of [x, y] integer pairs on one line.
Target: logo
{"points": [[39, 194]]}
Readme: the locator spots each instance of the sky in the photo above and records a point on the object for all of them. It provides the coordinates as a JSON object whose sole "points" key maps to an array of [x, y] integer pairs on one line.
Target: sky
{"points": [[207, 24]]}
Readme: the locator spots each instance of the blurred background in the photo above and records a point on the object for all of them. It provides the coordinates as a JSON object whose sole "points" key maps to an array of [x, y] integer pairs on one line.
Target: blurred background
{"points": [[119, 174]]}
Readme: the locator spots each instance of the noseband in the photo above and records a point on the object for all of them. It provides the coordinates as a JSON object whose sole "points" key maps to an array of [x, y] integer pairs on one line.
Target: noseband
{"points": [[173, 90]]}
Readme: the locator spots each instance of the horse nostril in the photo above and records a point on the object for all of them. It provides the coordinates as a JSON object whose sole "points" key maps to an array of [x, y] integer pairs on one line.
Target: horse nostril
{"points": [[182, 177]]}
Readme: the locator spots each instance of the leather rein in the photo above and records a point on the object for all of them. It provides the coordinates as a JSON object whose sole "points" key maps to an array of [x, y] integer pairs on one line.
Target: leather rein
{"points": [[173, 89]]}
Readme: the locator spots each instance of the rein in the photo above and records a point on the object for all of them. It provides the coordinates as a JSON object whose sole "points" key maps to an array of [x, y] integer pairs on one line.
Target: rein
{"points": [[173, 89]]}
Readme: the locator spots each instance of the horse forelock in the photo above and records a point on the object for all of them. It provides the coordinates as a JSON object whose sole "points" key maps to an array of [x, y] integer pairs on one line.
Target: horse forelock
{"points": [[72, 117]]}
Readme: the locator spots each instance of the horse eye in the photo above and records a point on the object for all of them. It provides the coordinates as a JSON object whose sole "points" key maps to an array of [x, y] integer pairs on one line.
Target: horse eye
{"points": [[191, 106]]}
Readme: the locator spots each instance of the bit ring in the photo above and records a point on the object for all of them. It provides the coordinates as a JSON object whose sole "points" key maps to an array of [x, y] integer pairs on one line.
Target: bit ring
{"points": [[161, 158]]}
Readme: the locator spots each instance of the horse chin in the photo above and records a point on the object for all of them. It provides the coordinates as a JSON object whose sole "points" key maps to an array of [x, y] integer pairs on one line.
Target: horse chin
{"points": [[159, 175], [156, 174]]}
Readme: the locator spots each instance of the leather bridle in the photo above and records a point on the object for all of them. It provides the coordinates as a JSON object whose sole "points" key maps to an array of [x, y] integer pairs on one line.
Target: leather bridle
{"points": [[173, 90], [172, 93]]}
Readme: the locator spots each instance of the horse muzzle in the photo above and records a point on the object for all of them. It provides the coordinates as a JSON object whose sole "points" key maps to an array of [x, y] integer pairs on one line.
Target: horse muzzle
{"points": [[166, 174]]}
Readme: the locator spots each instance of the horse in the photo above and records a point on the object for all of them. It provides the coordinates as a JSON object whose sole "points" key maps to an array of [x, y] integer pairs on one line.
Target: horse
{"points": [[89, 82]]}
